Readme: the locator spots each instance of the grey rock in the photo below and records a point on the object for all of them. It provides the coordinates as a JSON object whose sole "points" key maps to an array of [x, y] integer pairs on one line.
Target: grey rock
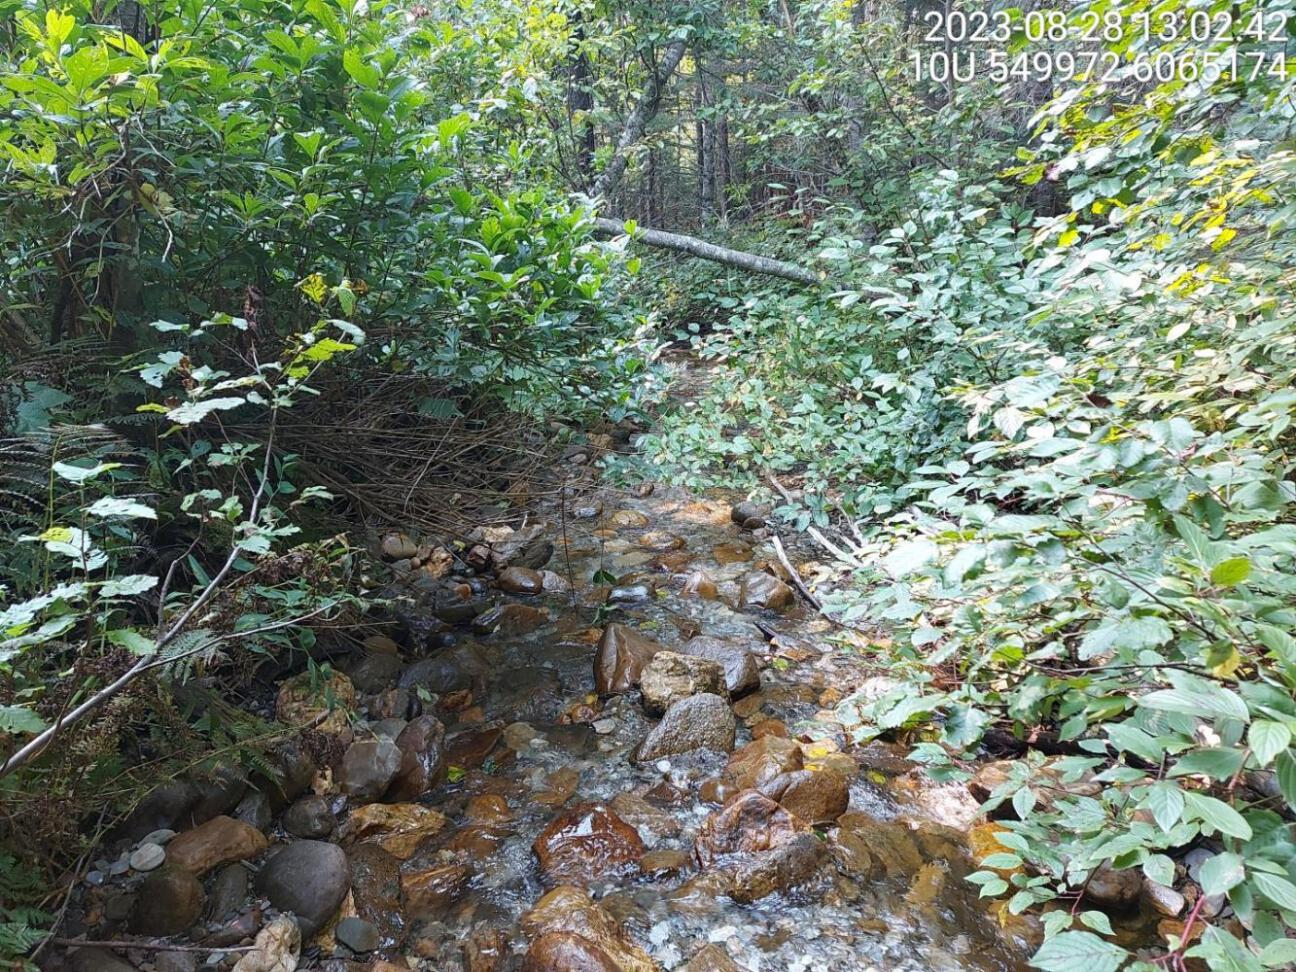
{"points": [[357, 934], [219, 793], [698, 722], [741, 670], [1163, 900], [387, 728], [161, 837], [98, 960], [761, 591], [375, 672], [629, 594], [147, 857], [310, 817], [748, 515], [308, 878], [254, 810], [229, 892], [670, 676], [368, 767]]}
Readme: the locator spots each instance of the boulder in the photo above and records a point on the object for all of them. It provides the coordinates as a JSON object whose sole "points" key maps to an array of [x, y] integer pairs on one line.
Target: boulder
{"points": [[368, 768], [422, 764], [221, 840], [670, 676], [323, 703], [698, 722], [748, 515], [815, 796], [375, 672], [741, 671], [587, 843], [169, 902], [761, 761], [749, 823], [762, 592], [308, 878], [310, 817], [620, 658], [398, 828]]}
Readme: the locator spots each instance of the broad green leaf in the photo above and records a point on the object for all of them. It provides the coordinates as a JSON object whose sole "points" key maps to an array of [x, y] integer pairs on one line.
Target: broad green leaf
{"points": [[128, 585], [1267, 739], [1222, 873], [1216, 815], [1079, 951], [1278, 890], [1285, 769], [1214, 701], [191, 412], [16, 719], [1219, 763], [133, 641], [1165, 801], [119, 506], [1231, 572], [909, 557], [82, 474]]}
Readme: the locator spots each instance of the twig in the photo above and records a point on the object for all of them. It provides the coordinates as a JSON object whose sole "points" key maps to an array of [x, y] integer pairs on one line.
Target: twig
{"points": [[150, 946], [797, 582]]}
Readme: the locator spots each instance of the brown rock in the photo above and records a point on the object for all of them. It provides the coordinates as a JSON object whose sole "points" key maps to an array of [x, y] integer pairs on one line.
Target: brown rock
{"points": [[890, 845], [664, 863], [398, 828], [570, 932], [628, 518], [760, 761], [586, 843], [815, 796], [422, 749], [471, 748], [747, 824], [560, 785], [780, 868], [659, 540], [510, 619], [368, 768], [170, 900], [670, 676], [700, 584], [398, 546], [305, 698], [698, 722], [712, 958], [620, 658], [488, 809], [221, 840], [433, 889], [520, 580], [769, 727], [376, 889], [760, 591], [1114, 890], [643, 816]]}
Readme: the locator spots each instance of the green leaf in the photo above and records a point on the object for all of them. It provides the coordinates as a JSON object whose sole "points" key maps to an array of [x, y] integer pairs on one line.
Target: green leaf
{"points": [[1267, 739], [1079, 951], [1222, 873], [1216, 815], [1231, 572], [365, 75], [1165, 801], [1219, 763], [128, 585], [82, 474], [1205, 702], [1098, 921], [909, 557], [118, 506], [1279, 953], [191, 412], [1278, 890], [17, 719], [133, 641], [1285, 769]]}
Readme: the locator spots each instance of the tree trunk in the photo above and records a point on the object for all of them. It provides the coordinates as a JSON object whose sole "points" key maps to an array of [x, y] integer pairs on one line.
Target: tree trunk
{"points": [[644, 111], [580, 104]]}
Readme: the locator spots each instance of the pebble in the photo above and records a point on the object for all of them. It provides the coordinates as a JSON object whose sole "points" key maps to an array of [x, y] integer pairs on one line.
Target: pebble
{"points": [[94, 877], [146, 857], [357, 934], [604, 726], [119, 866], [159, 837]]}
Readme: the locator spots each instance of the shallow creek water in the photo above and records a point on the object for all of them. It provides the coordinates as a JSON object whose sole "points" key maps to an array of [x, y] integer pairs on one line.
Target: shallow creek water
{"points": [[520, 738]]}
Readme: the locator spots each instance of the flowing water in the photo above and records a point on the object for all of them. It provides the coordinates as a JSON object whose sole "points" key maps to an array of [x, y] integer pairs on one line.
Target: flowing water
{"points": [[533, 740]]}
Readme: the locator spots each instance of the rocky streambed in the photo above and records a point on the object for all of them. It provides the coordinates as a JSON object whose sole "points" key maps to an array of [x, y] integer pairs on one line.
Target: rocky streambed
{"points": [[601, 741]]}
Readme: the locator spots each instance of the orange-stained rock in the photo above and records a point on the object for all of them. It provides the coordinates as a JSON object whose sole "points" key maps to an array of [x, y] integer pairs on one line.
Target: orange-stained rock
{"points": [[760, 761], [700, 584], [570, 931], [433, 889], [817, 797], [302, 700], [747, 824], [221, 840], [398, 828], [488, 809], [586, 843], [620, 658]]}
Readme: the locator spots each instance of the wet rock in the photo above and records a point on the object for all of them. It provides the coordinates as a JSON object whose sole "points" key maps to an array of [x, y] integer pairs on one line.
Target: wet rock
{"points": [[761, 761], [520, 580], [670, 676], [293, 773], [700, 584], [510, 619], [310, 817], [643, 816], [304, 700], [221, 840], [628, 518], [864, 845], [552, 582], [229, 891], [748, 515], [747, 824], [398, 546], [534, 555], [375, 672], [574, 934], [630, 593], [422, 763], [98, 960], [357, 934], [387, 728], [169, 902], [664, 863], [398, 828], [471, 748], [815, 796], [147, 857], [590, 511], [175, 962], [488, 809], [560, 785], [368, 768], [769, 727], [782, 868], [376, 889], [277, 947], [528, 694], [1114, 890], [741, 670], [712, 958], [441, 674], [760, 591], [697, 722], [395, 703], [1165, 901], [659, 540], [586, 843], [620, 658], [432, 890], [308, 878]]}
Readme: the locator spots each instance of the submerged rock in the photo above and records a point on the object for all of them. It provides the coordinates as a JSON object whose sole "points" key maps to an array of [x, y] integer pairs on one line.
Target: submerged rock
{"points": [[761, 591], [620, 658], [431, 890], [670, 676], [520, 580], [698, 722], [586, 843], [571, 933], [700, 584], [398, 828], [759, 845]]}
